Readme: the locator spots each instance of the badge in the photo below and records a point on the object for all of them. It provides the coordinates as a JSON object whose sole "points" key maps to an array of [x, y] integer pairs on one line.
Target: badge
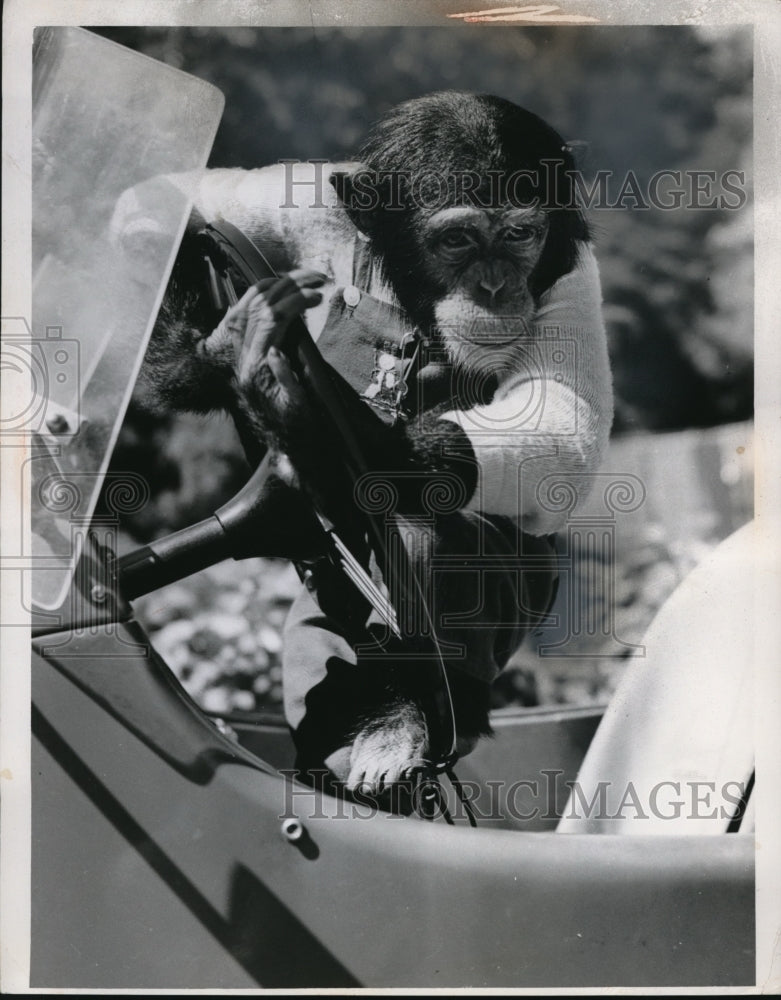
{"points": [[387, 388]]}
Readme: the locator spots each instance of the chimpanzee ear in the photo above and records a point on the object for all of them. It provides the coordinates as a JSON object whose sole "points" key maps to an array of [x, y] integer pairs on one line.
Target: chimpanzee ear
{"points": [[360, 201], [568, 231]]}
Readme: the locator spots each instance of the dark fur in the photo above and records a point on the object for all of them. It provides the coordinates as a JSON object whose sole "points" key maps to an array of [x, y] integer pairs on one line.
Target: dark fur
{"points": [[175, 374]]}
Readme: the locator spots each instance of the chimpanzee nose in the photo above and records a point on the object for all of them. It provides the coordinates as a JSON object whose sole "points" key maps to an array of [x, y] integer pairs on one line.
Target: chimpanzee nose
{"points": [[492, 283]]}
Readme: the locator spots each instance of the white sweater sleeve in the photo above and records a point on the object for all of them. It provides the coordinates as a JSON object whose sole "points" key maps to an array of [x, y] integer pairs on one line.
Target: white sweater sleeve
{"points": [[552, 417], [290, 210]]}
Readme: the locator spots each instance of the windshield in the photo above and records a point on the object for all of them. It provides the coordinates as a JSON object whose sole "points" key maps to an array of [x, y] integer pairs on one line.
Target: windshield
{"points": [[104, 120]]}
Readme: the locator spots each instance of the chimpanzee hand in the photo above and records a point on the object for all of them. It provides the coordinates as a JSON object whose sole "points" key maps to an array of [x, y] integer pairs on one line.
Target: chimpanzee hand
{"points": [[249, 339]]}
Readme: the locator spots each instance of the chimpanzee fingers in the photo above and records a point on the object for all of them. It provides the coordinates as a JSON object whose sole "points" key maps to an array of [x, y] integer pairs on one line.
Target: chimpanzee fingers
{"points": [[287, 309], [268, 332], [262, 323], [267, 325], [294, 304], [255, 289], [298, 278], [285, 376], [235, 317], [356, 780], [263, 284], [263, 313], [385, 779], [252, 343], [239, 308]]}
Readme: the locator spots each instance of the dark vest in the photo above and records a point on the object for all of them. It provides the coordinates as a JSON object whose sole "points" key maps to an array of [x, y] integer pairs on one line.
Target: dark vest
{"points": [[392, 365]]}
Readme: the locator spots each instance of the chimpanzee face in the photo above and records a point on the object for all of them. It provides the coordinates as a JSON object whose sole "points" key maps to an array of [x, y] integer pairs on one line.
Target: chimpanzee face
{"points": [[481, 260], [484, 254]]}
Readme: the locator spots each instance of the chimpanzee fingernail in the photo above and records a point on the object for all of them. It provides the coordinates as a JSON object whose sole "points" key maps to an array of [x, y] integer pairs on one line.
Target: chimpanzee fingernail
{"points": [[273, 352]]}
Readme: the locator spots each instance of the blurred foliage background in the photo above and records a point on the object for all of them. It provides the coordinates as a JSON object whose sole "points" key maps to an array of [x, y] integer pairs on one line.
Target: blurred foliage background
{"points": [[677, 284]]}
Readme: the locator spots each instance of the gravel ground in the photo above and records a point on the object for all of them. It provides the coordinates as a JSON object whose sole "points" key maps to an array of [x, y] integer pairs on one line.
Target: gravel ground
{"points": [[221, 632]]}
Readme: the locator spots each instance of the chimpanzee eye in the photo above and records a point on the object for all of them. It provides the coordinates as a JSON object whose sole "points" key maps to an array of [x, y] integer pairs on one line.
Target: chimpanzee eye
{"points": [[520, 234], [456, 239]]}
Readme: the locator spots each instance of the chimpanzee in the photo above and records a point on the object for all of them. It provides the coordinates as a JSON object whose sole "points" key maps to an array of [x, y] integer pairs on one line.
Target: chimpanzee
{"points": [[448, 277]]}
